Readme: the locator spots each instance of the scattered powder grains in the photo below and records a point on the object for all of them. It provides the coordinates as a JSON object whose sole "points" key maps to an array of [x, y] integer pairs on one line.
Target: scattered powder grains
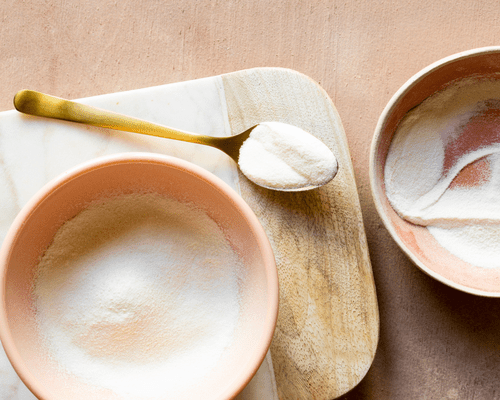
{"points": [[282, 156], [443, 169], [138, 294]]}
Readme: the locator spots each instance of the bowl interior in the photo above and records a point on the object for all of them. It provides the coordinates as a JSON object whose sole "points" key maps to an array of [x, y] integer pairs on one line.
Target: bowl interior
{"points": [[179, 180], [416, 241]]}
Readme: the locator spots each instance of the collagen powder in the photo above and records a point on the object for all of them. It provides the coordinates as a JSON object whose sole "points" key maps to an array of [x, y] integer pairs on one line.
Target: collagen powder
{"points": [[282, 156], [443, 169], [139, 294]]}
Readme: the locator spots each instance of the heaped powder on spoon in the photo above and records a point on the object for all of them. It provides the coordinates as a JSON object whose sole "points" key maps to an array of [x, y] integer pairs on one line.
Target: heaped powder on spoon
{"points": [[443, 169], [283, 156], [139, 294]]}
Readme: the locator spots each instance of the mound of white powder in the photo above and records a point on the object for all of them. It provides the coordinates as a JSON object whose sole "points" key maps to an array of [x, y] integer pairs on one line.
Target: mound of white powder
{"points": [[139, 294], [443, 169], [282, 156]]}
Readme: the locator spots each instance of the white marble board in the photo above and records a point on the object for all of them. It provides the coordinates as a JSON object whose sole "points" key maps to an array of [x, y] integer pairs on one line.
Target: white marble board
{"points": [[35, 150]]}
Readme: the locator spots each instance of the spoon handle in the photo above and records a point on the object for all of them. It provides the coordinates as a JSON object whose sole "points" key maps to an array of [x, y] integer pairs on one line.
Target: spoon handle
{"points": [[44, 105]]}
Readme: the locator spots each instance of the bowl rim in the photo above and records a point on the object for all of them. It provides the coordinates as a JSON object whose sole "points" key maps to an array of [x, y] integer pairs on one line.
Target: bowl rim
{"points": [[212, 180], [377, 137]]}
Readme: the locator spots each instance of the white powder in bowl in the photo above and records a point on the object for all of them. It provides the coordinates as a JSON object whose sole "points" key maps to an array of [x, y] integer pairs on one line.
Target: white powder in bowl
{"points": [[443, 169], [283, 156], [139, 294]]}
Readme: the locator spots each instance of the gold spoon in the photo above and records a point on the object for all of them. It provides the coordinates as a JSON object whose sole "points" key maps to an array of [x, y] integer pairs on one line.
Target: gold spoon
{"points": [[44, 105]]}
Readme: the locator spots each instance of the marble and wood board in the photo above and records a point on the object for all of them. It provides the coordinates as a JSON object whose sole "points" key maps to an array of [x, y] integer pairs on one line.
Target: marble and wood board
{"points": [[328, 323]]}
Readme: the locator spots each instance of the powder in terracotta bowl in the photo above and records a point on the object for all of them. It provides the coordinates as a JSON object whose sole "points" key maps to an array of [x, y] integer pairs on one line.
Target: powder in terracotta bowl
{"points": [[435, 168], [137, 276]]}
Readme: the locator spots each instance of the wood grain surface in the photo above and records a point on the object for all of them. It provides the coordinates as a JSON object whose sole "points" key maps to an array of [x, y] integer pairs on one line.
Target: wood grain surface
{"points": [[327, 330], [435, 342]]}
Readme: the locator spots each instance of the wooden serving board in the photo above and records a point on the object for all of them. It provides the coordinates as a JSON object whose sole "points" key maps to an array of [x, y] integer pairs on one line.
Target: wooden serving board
{"points": [[328, 324]]}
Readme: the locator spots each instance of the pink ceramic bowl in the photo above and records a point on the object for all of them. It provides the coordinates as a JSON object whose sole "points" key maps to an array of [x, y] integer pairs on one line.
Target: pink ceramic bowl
{"points": [[64, 197], [416, 241]]}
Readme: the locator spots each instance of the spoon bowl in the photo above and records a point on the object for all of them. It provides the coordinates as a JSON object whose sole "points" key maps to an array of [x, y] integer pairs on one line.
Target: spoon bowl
{"points": [[43, 105]]}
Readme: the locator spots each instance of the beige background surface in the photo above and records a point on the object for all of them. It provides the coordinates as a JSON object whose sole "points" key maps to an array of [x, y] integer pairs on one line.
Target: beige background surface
{"points": [[435, 342]]}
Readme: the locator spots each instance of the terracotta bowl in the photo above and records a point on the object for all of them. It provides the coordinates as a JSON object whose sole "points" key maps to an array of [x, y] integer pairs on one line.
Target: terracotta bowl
{"points": [[63, 198], [416, 241]]}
